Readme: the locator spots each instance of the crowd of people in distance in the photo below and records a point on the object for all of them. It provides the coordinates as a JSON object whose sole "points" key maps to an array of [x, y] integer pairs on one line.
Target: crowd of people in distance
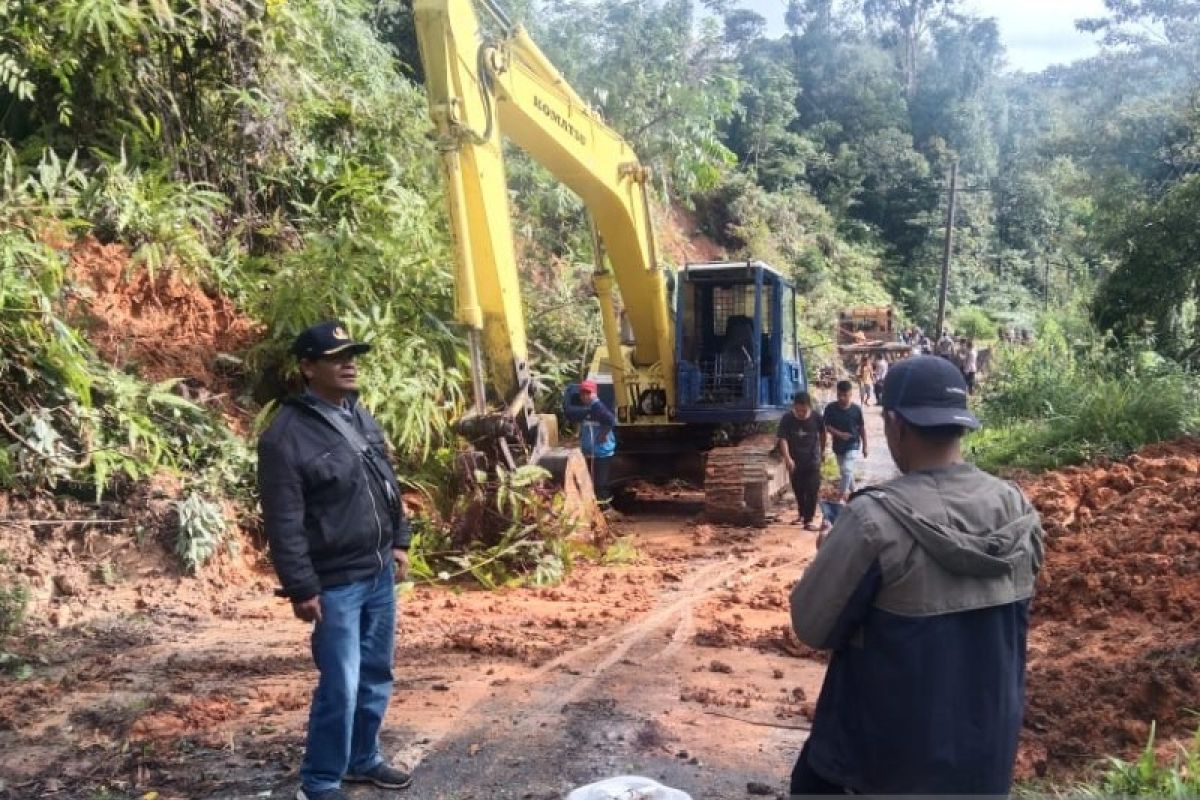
{"points": [[958, 350]]}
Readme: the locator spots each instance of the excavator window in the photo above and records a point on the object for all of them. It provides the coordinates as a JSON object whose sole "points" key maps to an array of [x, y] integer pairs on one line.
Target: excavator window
{"points": [[731, 301], [718, 338]]}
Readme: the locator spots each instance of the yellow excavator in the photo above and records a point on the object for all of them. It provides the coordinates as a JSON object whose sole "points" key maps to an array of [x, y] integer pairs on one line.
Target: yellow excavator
{"points": [[705, 358]]}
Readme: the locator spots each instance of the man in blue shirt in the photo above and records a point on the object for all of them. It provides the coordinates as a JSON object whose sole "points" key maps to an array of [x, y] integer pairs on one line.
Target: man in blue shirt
{"points": [[596, 438], [844, 421]]}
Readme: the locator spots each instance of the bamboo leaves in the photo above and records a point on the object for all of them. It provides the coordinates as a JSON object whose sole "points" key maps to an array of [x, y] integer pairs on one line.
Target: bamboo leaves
{"points": [[102, 21], [15, 78], [202, 529]]}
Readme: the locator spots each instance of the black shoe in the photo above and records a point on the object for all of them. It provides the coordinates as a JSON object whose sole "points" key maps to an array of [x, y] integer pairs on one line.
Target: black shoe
{"points": [[383, 776], [328, 794]]}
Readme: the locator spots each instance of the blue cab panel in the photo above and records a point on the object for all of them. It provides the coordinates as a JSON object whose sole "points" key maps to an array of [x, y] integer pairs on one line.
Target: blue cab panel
{"points": [[737, 354]]}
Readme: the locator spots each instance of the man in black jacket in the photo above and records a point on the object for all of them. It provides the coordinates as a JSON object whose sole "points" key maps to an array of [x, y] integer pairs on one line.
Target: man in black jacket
{"points": [[332, 509]]}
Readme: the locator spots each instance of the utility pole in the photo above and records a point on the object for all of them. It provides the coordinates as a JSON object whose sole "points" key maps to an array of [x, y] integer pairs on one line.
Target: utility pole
{"points": [[1046, 284], [941, 314]]}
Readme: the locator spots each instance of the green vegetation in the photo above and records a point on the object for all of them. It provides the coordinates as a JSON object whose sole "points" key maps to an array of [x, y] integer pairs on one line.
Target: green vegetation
{"points": [[13, 599], [974, 323], [520, 535], [202, 528], [1067, 400], [14, 602], [1149, 777]]}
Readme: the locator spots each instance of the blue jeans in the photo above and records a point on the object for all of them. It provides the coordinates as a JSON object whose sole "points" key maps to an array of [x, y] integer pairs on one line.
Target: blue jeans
{"points": [[352, 647], [846, 463]]}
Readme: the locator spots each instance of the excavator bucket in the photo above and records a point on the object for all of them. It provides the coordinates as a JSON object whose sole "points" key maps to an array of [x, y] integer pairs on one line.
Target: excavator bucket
{"points": [[479, 521]]}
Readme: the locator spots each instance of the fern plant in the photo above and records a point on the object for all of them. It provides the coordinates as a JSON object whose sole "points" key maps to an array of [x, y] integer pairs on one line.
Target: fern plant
{"points": [[201, 531], [160, 217]]}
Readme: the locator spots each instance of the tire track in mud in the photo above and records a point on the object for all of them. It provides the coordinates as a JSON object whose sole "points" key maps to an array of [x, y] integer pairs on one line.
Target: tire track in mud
{"points": [[580, 709], [595, 710]]}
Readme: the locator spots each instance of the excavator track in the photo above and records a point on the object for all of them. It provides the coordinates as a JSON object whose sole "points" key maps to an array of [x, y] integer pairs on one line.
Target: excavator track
{"points": [[741, 480]]}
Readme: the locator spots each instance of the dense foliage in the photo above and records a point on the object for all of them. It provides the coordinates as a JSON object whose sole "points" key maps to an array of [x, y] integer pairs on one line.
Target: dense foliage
{"points": [[1073, 396], [276, 152]]}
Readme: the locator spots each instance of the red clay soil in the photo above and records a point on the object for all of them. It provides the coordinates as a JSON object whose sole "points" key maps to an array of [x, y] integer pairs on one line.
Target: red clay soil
{"points": [[81, 561], [160, 326], [1115, 640], [681, 241]]}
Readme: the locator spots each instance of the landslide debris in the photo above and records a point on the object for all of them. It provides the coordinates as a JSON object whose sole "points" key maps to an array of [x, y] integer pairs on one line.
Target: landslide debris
{"points": [[1114, 642], [156, 323]]}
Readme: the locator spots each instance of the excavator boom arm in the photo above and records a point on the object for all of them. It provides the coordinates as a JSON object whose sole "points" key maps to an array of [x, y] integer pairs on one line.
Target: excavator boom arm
{"points": [[480, 89]]}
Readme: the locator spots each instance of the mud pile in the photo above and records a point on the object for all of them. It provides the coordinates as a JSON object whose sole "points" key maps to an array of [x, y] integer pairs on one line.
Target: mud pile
{"points": [[157, 324], [681, 239], [1115, 643], [82, 562]]}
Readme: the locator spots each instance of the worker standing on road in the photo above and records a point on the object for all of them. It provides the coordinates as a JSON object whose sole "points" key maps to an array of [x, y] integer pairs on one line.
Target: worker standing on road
{"points": [[844, 422], [881, 371], [922, 592], [335, 523], [945, 346], [596, 438], [970, 365], [802, 440], [866, 380]]}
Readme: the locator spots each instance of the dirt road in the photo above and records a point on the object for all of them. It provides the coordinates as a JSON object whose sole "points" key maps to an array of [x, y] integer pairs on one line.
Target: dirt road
{"points": [[704, 692], [678, 666]]}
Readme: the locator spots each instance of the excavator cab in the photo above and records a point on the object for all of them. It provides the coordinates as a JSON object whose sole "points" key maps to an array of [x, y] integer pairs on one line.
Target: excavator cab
{"points": [[737, 358]]}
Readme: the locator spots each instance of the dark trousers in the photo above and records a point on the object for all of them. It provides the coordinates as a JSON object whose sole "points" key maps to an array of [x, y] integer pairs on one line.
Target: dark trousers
{"points": [[598, 467], [970, 376], [807, 782], [806, 484]]}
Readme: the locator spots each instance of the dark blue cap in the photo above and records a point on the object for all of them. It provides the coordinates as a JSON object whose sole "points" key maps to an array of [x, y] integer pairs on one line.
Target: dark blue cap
{"points": [[928, 391], [326, 339]]}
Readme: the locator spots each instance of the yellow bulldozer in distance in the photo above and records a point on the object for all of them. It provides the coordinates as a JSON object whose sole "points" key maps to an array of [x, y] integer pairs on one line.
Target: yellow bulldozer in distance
{"points": [[868, 331]]}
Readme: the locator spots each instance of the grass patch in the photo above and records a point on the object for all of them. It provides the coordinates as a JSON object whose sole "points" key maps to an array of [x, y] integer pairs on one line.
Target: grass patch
{"points": [[1061, 402], [14, 599], [1150, 777]]}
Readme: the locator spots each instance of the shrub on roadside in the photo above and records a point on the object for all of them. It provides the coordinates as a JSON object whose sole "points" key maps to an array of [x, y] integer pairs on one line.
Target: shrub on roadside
{"points": [[202, 529], [1148, 777], [974, 323], [14, 598], [1061, 402]]}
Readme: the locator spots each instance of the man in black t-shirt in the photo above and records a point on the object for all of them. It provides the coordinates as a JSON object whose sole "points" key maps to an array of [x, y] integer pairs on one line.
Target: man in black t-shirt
{"points": [[844, 421], [802, 444]]}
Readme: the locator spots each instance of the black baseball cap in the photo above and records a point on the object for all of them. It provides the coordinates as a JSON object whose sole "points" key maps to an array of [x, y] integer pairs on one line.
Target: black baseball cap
{"points": [[326, 339], [928, 391]]}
